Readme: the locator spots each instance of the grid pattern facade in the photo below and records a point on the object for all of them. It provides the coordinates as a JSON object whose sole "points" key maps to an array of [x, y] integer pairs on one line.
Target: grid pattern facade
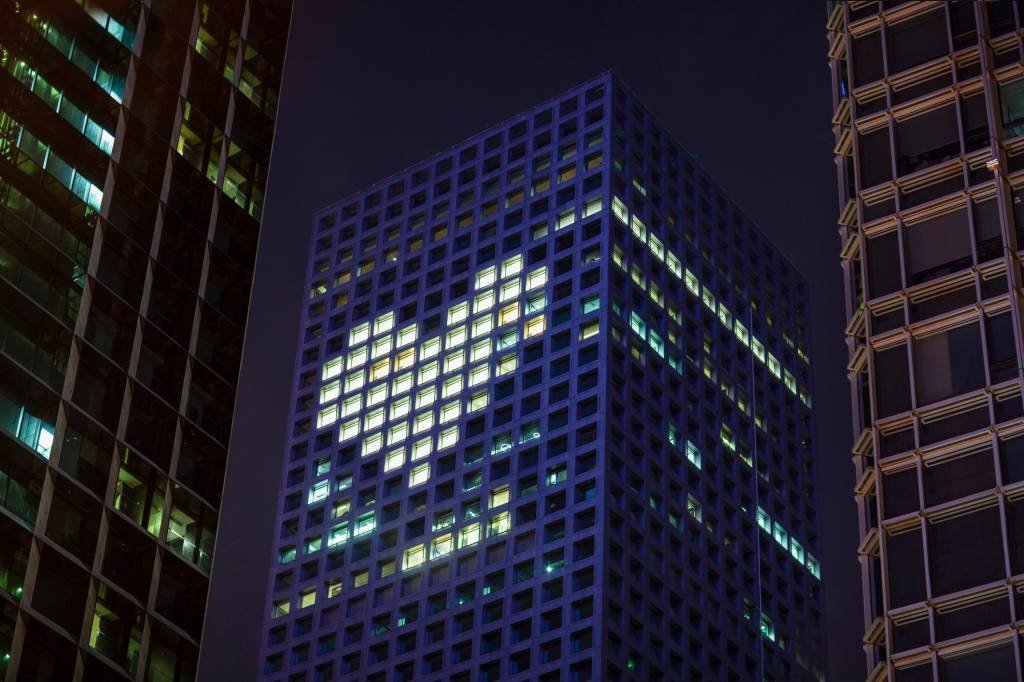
{"points": [[134, 141], [550, 421], [930, 157]]}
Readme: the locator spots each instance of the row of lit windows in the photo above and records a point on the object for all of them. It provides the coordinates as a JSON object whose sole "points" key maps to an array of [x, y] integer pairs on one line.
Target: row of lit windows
{"points": [[788, 543], [111, 83]]}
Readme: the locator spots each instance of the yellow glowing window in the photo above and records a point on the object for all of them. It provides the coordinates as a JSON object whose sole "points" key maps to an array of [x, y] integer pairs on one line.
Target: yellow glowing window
{"points": [[373, 420], [450, 411], [354, 380], [486, 277], [536, 278], [479, 374], [509, 313], [477, 401], [483, 301], [423, 422], [358, 356], [399, 408], [341, 507], [441, 546], [333, 588], [401, 383], [589, 330], [413, 557], [451, 386], [709, 299], [360, 578], [405, 336], [425, 397], [419, 475], [454, 361], [377, 395], [499, 524], [507, 364], [349, 429], [499, 496], [380, 369], [394, 460], [533, 327], [510, 289], [421, 448], [281, 608], [428, 372], [512, 266], [372, 444], [330, 392], [333, 368], [618, 257], [455, 337], [458, 313], [397, 433], [381, 347], [351, 406], [358, 334], [405, 359], [790, 381], [482, 325], [480, 350], [430, 348], [448, 437], [384, 323], [469, 535], [327, 416]]}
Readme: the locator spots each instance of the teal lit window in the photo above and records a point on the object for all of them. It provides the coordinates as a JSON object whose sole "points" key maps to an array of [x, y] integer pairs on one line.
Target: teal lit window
{"points": [[590, 304]]}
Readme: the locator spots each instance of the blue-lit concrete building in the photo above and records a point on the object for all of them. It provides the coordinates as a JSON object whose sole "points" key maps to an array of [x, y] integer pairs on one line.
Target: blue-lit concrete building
{"points": [[551, 421]]}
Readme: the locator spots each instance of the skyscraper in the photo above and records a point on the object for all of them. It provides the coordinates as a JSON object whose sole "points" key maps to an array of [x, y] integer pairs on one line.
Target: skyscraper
{"points": [[551, 420], [928, 101], [134, 142]]}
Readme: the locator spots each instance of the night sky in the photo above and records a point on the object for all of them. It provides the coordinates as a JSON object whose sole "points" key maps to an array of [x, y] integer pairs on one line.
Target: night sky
{"points": [[372, 87]]}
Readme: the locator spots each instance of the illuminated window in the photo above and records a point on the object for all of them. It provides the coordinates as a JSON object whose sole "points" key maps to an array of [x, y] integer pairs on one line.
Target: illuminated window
{"points": [[536, 303], [360, 578], [354, 381], [281, 608], [725, 316], [509, 313], [619, 210], [499, 496], [773, 365], [455, 337], [638, 227], [589, 330], [758, 349], [425, 397], [636, 323], [709, 299], [421, 448], [380, 369], [728, 440], [384, 323], [780, 535], [506, 364], [338, 534], [365, 523], [741, 333], [590, 304], [480, 350], [533, 327], [318, 492], [482, 325], [469, 535], [428, 372], [693, 454], [419, 475], [381, 346], [327, 416], [351, 406], [451, 386], [591, 207], [450, 411], [372, 444], [448, 437], [512, 266], [618, 257], [656, 342], [486, 277], [413, 557], [373, 420], [536, 278], [510, 289], [405, 359], [406, 335], [498, 524], [349, 429], [333, 368], [423, 422], [657, 248], [441, 546], [693, 508], [443, 519], [483, 301], [376, 395], [341, 507], [430, 348], [398, 432], [401, 383], [358, 334], [674, 266], [358, 356], [458, 313], [394, 459], [454, 361], [477, 401], [790, 381], [479, 374], [565, 219], [691, 283], [330, 392]]}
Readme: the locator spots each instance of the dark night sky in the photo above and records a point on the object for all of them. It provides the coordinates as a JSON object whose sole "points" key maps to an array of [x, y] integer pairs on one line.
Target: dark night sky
{"points": [[371, 87]]}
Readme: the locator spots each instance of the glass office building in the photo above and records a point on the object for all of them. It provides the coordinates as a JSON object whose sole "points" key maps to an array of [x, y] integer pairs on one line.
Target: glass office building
{"points": [[928, 109], [134, 142], [550, 421]]}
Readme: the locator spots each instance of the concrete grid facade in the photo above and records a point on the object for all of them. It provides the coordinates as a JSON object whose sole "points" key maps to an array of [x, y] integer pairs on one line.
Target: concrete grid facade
{"points": [[928, 110], [134, 142], [551, 420]]}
